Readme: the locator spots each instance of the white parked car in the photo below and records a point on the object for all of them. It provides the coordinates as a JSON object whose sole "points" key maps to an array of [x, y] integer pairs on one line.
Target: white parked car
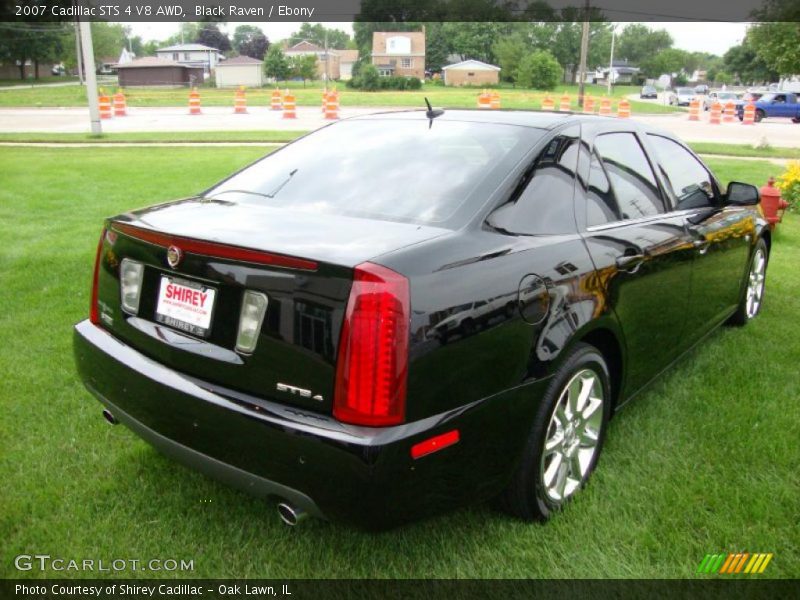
{"points": [[682, 96], [721, 97]]}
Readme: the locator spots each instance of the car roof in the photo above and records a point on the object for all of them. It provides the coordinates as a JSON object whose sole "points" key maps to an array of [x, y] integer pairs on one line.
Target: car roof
{"points": [[526, 118]]}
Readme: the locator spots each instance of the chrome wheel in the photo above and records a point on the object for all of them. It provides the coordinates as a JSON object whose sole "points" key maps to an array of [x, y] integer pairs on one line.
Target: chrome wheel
{"points": [[755, 285], [573, 434]]}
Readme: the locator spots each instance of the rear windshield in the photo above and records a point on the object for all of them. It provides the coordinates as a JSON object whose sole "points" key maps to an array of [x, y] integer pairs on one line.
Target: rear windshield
{"points": [[400, 170]]}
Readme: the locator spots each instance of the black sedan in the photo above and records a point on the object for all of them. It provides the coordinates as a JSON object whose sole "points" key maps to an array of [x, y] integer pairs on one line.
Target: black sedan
{"points": [[407, 312], [648, 91]]}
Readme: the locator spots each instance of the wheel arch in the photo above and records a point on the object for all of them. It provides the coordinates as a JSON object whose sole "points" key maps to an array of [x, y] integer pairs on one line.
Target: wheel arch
{"points": [[609, 345]]}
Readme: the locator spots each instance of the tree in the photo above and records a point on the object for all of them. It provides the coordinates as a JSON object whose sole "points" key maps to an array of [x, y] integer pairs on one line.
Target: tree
{"points": [[638, 43], [509, 52], [337, 39], [667, 61], [474, 40], [539, 70], [722, 77], [368, 78], [745, 64], [276, 64], [777, 45], [249, 40], [187, 32], [304, 67], [22, 43], [210, 35], [437, 47]]}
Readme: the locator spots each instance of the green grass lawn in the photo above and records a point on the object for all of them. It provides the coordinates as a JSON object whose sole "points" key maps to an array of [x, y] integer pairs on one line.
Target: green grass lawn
{"points": [[704, 462], [34, 82], [311, 95]]}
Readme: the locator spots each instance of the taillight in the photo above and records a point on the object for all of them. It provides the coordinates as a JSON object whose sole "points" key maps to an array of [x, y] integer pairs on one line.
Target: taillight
{"points": [[94, 313], [373, 349]]}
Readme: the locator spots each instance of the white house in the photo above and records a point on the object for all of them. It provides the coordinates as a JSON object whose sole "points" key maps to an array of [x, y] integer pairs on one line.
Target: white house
{"points": [[471, 72], [241, 70], [192, 55]]}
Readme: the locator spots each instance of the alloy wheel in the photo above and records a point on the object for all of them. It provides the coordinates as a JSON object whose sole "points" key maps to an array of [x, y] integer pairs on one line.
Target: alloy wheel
{"points": [[755, 284], [573, 434]]}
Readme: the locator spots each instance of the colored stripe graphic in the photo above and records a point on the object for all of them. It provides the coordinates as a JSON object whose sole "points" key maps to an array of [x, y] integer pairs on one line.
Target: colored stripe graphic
{"points": [[734, 562]]}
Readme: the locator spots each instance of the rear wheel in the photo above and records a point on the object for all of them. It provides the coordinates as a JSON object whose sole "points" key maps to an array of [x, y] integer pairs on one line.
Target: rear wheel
{"points": [[753, 297], [566, 438], [759, 115]]}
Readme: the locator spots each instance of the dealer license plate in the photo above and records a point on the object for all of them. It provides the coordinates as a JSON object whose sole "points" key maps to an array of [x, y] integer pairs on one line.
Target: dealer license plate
{"points": [[185, 305]]}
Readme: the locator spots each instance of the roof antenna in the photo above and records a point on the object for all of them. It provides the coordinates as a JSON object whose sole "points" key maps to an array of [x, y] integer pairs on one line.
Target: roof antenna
{"points": [[432, 113]]}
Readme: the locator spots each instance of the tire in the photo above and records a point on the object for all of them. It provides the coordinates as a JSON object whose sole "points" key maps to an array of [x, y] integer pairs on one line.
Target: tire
{"points": [[796, 120], [753, 294], [540, 486], [759, 116]]}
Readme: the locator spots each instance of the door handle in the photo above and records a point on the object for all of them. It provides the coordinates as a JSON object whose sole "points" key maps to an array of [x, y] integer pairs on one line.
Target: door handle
{"points": [[630, 262]]}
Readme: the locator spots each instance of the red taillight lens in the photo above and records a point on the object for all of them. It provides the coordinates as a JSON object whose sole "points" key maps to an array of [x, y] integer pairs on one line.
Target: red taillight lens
{"points": [[94, 313], [373, 349]]}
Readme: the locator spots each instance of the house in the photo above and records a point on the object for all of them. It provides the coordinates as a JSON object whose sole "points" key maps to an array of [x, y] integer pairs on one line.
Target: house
{"points": [[400, 53], [241, 70], [125, 57], [621, 73], [156, 71], [347, 58], [471, 72], [327, 61], [192, 55]]}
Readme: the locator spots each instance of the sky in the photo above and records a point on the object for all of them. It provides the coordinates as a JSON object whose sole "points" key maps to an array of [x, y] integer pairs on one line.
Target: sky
{"points": [[715, 38]]}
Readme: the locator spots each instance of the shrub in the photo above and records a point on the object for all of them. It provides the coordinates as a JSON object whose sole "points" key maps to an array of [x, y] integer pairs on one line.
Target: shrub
{"points": [[789, 185], [369, 80], [539, 70]]}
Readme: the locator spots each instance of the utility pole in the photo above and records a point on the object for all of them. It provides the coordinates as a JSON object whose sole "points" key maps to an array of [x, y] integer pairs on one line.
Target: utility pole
{"points": [[91, 78], [584, 52], [78, 56], [611, 60]]}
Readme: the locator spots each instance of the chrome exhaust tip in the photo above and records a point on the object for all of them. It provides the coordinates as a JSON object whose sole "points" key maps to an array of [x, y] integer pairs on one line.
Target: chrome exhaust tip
{"points": [[290, 514], [109, 417]]}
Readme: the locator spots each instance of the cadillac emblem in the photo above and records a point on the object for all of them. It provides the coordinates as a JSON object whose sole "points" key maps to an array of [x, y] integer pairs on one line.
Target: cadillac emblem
{"points": [[174, 256]]}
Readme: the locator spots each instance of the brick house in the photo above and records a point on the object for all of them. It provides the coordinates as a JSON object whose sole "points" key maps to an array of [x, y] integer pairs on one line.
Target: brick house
{"points": [[400, 53], [327, 62], [471, 72]]}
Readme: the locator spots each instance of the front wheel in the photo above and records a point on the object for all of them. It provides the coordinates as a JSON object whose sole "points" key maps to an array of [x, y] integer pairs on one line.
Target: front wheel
{"points": [[759, 116], [566, 439], [753, 297]]}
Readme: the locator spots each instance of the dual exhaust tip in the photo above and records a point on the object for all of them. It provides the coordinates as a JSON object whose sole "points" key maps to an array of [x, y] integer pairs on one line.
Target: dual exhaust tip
{"points": [[291, 515]]}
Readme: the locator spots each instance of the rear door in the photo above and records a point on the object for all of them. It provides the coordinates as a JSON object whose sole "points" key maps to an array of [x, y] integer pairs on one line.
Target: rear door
{"points": [[720, 235], [641, 250]]}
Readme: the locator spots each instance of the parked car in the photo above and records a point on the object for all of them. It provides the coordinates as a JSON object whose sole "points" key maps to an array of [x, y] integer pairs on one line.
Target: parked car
{"points": [[701, 89], [648, 91], [721, 97], [774, 105], [682, 96], [278, 330]]}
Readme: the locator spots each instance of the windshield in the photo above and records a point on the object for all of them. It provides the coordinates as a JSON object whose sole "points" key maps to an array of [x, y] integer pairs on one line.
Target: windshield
{"points": [[726, 95], [768, 97], [390, 169], [685, 91]]}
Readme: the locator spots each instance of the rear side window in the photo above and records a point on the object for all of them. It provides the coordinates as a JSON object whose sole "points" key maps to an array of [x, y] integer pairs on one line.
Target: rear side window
{"points": [[543, 204], [387, 169], [690, 182], [633, 183]]}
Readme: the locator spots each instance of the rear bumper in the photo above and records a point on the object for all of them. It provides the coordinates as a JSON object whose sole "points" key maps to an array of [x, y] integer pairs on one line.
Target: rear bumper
{"points": [[362, 476]]}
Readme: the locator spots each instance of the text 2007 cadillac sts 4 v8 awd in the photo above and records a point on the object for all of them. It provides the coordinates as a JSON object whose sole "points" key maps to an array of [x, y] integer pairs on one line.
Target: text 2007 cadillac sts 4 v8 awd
{"points": [[406, 312]]}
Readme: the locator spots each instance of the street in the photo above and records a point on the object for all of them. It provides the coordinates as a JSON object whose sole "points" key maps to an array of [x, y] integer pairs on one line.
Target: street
{"points": [[775, 132]]}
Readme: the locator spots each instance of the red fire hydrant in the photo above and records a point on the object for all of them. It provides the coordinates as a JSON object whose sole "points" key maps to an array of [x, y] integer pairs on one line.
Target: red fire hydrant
{"points": [[772, 205]]}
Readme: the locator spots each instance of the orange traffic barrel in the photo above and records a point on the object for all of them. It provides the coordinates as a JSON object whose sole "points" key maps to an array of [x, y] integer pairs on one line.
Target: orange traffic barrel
{"points": [[715, 114], [289, 106], [624, 109], [694, 110], [605, 107], [104, 103], [588, 104], [564, 105], [120, 105], [276, 102], [331, 107], [484, 99], [749, 116], [548, 103], [729, 113], [240, 102], [194, 102], [494, 100]]}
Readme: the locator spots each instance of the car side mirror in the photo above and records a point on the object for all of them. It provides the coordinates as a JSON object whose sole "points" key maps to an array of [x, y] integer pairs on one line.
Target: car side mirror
{"points": [[742, 194]]}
